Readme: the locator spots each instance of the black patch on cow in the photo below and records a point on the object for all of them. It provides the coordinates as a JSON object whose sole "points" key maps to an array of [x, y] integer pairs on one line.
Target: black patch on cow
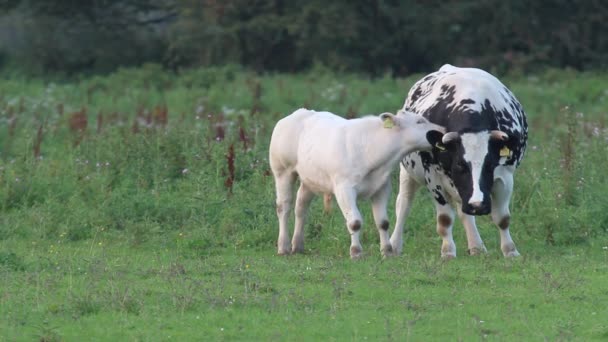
{"points": [[416, 94], [384, 225], [427, 160], [442, 159], [467, 101], [459, 170], [439, 197], [413, 163], [427, 78]]}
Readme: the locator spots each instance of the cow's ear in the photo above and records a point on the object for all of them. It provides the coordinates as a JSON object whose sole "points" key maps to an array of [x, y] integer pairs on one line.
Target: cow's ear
{"points": [[434, 138], [389, 120], [514, 140], [510, 140]]}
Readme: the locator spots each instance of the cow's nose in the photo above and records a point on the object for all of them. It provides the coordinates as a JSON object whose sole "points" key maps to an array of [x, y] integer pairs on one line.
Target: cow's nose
{"points": [[476, 205]]}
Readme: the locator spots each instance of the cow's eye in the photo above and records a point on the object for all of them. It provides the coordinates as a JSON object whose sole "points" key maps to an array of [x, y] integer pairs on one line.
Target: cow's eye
{"points": [[461, 166]]}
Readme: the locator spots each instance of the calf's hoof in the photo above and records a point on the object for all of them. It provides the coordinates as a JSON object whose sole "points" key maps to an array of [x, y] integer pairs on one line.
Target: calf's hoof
{"points": [[387, 251], [297, 250], [477, 250], [448, 251], [448, 256], [355, 252], [397, 247]]}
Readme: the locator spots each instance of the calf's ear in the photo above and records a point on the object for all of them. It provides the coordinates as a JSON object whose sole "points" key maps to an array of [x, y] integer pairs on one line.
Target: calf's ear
{"points": [[389, 120], [434, 138]]}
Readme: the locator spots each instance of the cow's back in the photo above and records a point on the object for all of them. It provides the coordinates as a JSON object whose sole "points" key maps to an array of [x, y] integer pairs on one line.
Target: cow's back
{"points": [[472, 100]]}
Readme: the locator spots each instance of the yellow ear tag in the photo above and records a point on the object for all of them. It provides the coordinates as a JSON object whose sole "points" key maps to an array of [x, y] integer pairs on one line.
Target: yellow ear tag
{"points": [[505, 152], [388, 123]]}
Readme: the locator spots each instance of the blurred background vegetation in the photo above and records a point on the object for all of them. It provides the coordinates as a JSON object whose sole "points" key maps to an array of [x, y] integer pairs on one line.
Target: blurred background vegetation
{"points": [[374, 37]]}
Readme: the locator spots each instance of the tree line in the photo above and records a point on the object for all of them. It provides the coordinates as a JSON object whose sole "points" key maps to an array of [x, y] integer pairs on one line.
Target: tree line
{"points": [[368, 36]]}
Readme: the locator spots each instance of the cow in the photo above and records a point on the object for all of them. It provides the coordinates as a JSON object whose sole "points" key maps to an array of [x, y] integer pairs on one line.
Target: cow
{"points": [[350, 159], [470, 168]]}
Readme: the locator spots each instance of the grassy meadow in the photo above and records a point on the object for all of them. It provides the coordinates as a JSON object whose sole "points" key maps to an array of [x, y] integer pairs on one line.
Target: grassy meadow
{"points": [[139, 206]]}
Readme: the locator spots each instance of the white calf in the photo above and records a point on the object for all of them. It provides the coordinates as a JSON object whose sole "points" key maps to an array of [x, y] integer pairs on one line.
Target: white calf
{"points": [[347, 158]]}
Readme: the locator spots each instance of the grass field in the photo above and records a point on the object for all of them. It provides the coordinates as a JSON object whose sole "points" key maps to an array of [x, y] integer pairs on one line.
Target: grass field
{"points": [[139, 206]]}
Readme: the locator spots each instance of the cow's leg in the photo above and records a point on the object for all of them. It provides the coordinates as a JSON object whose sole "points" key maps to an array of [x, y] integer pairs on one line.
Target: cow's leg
{"points": [[474, 241], [501, 196], [379, 202], [347, 201], [405, 198], [284, 188], [445, 223], [303, 198]]}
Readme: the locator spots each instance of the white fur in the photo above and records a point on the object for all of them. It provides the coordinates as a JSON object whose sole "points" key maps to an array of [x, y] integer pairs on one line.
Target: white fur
{"points": [[475, 150], [347, 158]]}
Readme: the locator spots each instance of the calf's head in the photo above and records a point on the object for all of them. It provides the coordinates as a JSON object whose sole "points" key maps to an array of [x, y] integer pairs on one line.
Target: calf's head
{"points": [[414, 129], [470, 160]]}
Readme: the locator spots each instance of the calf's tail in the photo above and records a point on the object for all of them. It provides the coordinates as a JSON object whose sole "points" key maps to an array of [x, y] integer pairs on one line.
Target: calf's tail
{"points": [[327, 203]]}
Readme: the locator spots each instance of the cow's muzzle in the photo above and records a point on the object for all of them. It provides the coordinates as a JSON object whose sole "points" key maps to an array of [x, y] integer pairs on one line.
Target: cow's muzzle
{"points": [[477, 208]]}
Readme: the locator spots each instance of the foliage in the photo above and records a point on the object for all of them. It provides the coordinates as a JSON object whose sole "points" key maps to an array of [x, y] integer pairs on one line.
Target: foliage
{"points": [[374, 37], [123, 214]]}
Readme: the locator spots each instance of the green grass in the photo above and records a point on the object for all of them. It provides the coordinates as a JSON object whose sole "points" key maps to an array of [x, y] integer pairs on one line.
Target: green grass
{"points": [[116, 233], [98, 292]]}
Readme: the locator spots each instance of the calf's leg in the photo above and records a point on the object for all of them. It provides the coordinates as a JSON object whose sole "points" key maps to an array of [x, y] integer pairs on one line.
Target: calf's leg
{"points": [[405, 198], [303, 198], [347, 201], [284, 188], [379, 202]]}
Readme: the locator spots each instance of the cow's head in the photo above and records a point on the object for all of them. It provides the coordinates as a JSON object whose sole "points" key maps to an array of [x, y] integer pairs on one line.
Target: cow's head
{"points": [[470, 160]]}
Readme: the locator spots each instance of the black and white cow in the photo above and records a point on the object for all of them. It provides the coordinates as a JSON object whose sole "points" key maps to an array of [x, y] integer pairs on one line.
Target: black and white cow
{"points": [[470, 169]]}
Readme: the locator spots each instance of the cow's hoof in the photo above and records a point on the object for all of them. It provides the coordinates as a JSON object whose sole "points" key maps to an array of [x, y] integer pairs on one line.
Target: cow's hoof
{"points": [[512, 254], [477, 250], [355, 252], [509, 250], [284, 251]]}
